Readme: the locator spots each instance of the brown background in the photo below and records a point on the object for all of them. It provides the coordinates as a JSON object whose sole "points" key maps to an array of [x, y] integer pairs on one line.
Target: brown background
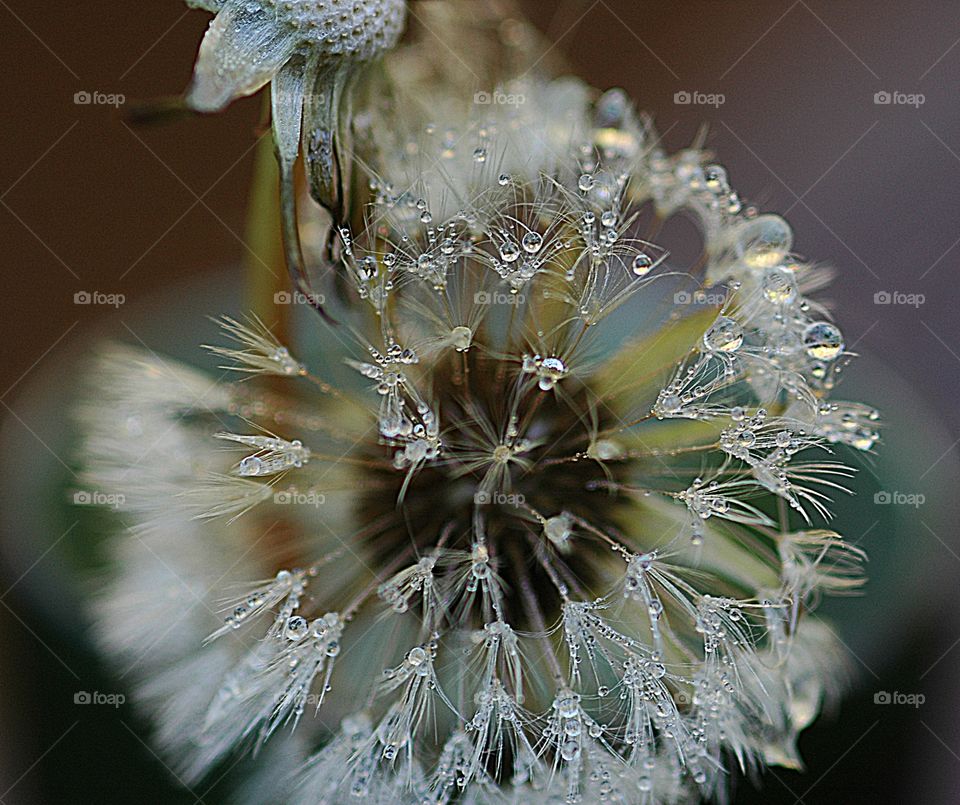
{"points": [[87, 203]]}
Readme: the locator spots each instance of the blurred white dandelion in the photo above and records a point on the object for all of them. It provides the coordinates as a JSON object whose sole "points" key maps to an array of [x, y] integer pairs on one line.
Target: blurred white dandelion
{"points": [[554, 537]]}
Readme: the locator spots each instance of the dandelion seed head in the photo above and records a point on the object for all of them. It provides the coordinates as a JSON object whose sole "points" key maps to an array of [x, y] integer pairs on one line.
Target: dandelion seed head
{"points": [[547, 530]]}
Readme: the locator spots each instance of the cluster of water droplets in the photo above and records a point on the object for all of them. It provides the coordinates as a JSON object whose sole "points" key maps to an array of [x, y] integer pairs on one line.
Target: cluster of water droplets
{"points": [[361, 28], [274, 455], [547, 370]]}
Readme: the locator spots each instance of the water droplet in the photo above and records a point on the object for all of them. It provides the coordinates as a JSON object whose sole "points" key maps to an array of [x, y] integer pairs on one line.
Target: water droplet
{"points": [[642, 264], [715, 177], [764, 241], [296, 628], [779, 286], [480, 155], [509, 251], [251, 465], [568, 704], [550, 371], [586, 183], [532, 242], [570, 750], [671, 403], [724, 335], [558, 528], [606, 450], [461, 337], [823, 340]]}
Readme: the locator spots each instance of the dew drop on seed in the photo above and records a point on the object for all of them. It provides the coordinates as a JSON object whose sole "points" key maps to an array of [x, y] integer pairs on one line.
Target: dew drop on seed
{"points": [[823, 340], [509, 251], [461, 338], [642, 264], [296, 628], [570, 750], [779, 286], [764, 241], [532, 242], [557, 529], [724, 335], [251, 465]]}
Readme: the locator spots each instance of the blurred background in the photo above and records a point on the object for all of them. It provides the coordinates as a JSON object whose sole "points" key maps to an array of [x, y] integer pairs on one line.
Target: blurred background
{"points": [[843, 116]]}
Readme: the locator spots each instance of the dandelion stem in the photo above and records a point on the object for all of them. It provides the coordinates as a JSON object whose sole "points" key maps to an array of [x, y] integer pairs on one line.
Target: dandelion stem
{"points": [[265, 267]]}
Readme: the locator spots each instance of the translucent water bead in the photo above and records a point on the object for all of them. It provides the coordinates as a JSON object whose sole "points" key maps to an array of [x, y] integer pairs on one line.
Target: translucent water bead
{"points": [[549, 370], [724, 335], [823, 340], [461, 338], [532, 242], [612, 109], [642, 264], [779, 286], [558, 529], [509, 251], [764, 241], [296, 628]]}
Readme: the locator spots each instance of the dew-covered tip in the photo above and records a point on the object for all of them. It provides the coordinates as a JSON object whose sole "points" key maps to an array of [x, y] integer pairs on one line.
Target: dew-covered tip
{"points": [[249, 41]]}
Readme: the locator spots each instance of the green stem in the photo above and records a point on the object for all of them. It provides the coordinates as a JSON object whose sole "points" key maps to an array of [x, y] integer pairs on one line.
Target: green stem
{"points": [[264, 266]]}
